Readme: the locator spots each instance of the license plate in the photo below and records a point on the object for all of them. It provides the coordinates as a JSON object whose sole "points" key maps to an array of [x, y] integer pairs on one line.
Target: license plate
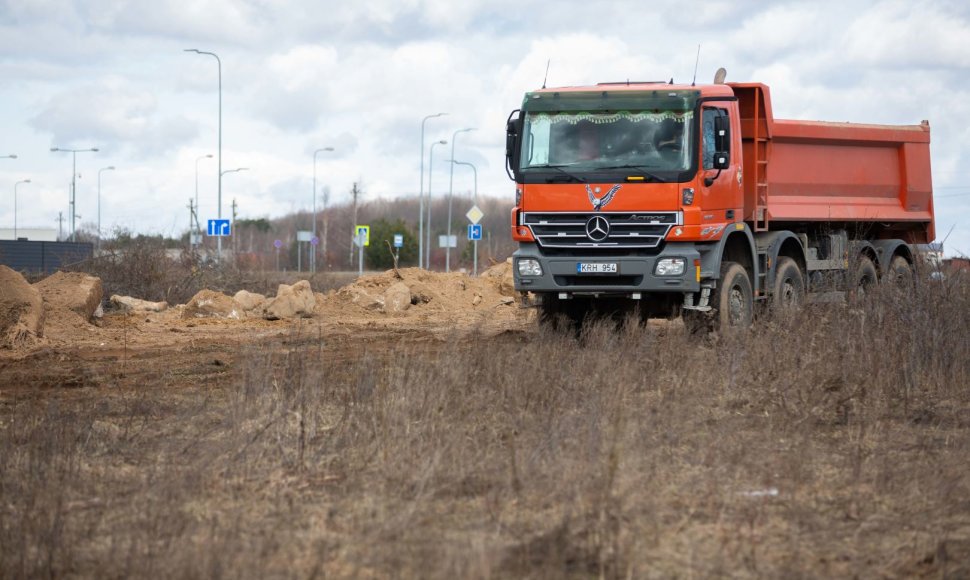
{"points": [[596, 268]]}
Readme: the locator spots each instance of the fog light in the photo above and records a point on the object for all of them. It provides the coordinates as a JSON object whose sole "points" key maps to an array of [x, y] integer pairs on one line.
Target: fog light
{"points": [[670, 267], [529, 267]]}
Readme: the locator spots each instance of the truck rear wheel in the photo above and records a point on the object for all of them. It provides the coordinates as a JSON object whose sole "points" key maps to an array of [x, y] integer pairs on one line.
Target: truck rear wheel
{"points": [[900, 273], [864, 277], [788, 292]]}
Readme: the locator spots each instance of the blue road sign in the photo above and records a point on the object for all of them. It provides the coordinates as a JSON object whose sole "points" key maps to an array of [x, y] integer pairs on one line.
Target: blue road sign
{"points": [[474, 231], [219, 228], [398, 240]]}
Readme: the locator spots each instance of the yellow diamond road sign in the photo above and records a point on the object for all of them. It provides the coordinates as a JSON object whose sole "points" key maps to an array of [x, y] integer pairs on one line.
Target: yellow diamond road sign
{"points": [[474, 215]]}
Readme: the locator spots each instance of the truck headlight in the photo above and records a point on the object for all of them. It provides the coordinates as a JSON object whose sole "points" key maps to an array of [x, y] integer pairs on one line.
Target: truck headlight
{"points": [[529, 267], [670, 267]]}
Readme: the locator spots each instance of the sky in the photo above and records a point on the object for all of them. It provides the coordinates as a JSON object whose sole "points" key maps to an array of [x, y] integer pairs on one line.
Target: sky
{"points": [[360, 77]]}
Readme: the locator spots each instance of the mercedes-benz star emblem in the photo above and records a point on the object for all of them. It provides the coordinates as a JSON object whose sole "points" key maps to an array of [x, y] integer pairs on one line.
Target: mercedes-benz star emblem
{"points": [[597, 228]]}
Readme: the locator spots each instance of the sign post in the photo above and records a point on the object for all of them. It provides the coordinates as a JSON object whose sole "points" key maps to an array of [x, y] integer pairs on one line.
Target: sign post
{"points": [[362, 239], [278, 244], [474, 216]]}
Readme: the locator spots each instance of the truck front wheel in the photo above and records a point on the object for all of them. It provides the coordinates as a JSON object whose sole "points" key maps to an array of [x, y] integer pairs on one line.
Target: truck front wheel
{"points": [[732, 301], [734, 297]]}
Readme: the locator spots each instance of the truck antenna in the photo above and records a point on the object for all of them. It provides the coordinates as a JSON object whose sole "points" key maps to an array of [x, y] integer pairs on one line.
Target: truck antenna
{"points": [[696, 61], [545, 78]]}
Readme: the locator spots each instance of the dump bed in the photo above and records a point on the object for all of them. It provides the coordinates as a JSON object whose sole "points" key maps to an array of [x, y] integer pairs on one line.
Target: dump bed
{"points": [[875, 176]]}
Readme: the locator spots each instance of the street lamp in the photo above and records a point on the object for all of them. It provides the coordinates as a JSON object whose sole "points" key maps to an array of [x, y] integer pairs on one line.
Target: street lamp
{"points": [[11, 156], [15, 207], [108, 168], [430, 170], [313, 253], [221, 173], [198, 227], [421, 192], [451, 183], [73, 200]]}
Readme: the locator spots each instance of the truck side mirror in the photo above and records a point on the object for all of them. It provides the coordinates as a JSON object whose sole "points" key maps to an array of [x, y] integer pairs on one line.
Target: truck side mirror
{"points": [[512, 129], [722, 142]]}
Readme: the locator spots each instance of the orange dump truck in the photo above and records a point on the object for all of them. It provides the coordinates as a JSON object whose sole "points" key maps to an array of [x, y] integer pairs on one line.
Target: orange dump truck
{"points": [[695, 201]]}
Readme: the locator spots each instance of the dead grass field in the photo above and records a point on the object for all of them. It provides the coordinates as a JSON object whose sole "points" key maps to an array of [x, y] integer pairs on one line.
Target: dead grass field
{"points": [[835, 443]]}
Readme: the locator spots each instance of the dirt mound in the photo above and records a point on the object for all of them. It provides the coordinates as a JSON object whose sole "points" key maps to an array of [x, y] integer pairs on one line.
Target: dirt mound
{"points": [[249, 301], [291, 301], [211, 304], [21, 310], [417, 292], [501, 275], [72, 291], [129, 304]]}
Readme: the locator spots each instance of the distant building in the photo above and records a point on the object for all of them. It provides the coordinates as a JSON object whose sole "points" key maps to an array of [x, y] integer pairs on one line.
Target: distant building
{"points": [[32, 234], [932, 253]]}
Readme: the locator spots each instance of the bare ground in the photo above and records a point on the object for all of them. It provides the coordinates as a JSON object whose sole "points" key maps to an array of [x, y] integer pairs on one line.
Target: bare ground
{"points": [[463, 442]]}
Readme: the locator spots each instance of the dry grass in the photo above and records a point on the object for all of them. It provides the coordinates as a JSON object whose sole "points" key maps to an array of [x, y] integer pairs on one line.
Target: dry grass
{"points": [[831, 443]]}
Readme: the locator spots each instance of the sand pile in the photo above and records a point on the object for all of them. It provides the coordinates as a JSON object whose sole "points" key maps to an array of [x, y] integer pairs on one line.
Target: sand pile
{"points": [[72, 291], [21, 310], [413, 291]]}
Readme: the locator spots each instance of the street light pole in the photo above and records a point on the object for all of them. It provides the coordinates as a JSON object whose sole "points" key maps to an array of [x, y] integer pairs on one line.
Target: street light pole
{"points": [[313, 251], [73, 199], [451, 183], [474, 242], [421, 194], [430, 170], [198, 227], [15, 206], [11, 156], [221, 173], [108, 168], [219, 212]]}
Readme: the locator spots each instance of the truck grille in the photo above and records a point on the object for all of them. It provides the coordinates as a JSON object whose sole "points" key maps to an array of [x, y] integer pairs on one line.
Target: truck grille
{"points": [[627, 230]]}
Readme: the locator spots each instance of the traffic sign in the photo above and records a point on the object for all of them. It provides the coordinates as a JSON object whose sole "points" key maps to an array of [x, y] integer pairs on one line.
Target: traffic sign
{"points": [[304, 235], [314, 240], [474, 215], [362, 235], [474, 232], [278, 244], [398, 240], [447, 241], [219, 228]]}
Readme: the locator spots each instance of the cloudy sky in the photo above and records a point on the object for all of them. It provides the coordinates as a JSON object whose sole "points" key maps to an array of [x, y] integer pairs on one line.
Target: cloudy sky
{"points": [[360, 76]]}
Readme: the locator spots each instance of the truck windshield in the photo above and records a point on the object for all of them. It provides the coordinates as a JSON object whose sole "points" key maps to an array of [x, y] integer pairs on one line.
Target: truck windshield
{"points": [[654, 141]]}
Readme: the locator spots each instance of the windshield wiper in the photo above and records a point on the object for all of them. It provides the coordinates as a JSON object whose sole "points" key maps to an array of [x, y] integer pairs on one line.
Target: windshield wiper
{"points": [[640, 169], [560, 169]]}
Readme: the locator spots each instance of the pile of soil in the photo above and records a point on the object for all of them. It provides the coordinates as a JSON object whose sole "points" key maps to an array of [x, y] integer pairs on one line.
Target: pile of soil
{"points": [[21, 310]]}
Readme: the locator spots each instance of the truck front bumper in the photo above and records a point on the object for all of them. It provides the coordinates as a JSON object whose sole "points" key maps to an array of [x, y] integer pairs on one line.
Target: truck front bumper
{"points": [[634, 273]]}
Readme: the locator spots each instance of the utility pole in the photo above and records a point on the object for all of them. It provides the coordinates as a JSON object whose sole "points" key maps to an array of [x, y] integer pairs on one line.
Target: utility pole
{"points": [[191, 220], [353, 226], [60, 226], [235, 207], [326, 223]]}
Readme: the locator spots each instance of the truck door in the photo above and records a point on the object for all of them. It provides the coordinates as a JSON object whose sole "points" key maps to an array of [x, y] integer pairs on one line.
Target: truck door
{"points": [[720, 187]]}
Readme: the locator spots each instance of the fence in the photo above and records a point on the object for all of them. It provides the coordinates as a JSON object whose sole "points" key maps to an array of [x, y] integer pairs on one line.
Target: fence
{"points": [[42, 257]]}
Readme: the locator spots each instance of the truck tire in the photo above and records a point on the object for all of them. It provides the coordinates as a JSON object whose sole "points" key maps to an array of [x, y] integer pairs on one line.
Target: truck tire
{"points": [[561, 315], [734, 298], [788, 292], [864, 277], [900, 273]]}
